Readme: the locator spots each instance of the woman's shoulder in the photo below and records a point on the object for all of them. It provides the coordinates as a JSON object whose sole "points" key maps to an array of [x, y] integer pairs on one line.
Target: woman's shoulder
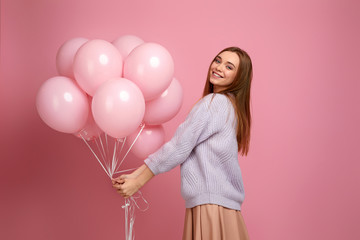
{"points": [[216, 98], [214, 103]]}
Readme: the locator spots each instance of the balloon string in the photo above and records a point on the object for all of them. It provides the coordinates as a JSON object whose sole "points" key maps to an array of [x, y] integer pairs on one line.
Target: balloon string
{"points": [[107, 145], [96, 156], [119, 153], [102, 153], [105, 153], [130, 214], [129, 220], [142, 127], [112, 165], [133, 198], [123, 143], [125, 206], [113, 158], [125, 170]]}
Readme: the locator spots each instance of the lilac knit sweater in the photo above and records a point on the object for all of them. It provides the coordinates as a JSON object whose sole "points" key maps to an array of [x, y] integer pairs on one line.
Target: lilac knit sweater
{"points": [[205, 147]]}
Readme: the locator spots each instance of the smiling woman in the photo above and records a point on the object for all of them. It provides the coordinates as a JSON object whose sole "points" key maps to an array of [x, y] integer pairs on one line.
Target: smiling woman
{"points": [[206, 146], [236, 87], [223, 70]]}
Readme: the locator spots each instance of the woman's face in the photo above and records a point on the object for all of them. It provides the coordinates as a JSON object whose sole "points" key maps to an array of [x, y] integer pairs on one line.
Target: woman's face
{"points": [[223, 70]]}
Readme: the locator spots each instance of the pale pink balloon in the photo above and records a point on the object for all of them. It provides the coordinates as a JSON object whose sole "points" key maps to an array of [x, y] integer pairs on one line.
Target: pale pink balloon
{"points": [[165, 107], [96, 62], [91, 130], [65, 56], [125, 44], [118, 107], [151, 67], [62, 105], [150, 139]]}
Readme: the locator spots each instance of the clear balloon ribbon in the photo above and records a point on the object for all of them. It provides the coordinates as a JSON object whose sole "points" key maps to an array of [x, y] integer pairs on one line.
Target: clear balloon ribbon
{"points": [[129, 208], [110, 153]]}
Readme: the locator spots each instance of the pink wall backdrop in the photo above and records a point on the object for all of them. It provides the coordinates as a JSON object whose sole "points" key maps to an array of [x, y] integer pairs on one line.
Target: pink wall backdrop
{"points": [[302, 174]]}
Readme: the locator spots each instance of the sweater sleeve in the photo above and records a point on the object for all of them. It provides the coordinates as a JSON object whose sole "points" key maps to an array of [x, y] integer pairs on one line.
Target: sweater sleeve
{"points": [[199, 125]]}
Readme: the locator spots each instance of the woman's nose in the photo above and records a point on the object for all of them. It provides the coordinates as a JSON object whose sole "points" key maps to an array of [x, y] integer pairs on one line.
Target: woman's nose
{"points": [[219, 67]]}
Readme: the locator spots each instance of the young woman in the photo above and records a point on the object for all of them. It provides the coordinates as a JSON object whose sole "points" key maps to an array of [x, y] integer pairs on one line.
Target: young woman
{"points": [[206, 146]]}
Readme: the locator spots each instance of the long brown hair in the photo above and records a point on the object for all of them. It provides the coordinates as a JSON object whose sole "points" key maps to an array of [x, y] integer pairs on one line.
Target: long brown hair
{"points": [[240, 89]]}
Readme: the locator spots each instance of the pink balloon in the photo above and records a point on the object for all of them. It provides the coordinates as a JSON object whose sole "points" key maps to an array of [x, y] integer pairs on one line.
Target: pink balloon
{"points": [[165, 107], [150, 139], [96, 62], [91, 130], [118, 107], [62, 105], [125, 44], [65, 56], [151, 67]]}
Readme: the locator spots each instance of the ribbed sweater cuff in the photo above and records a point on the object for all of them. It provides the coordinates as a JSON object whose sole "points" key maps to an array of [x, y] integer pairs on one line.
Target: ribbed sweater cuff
{"points": [[153, 168]]}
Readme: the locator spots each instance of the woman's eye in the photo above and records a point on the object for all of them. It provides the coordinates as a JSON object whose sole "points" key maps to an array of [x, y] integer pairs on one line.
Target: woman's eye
{"points": [[217, 60], [228, 67]]}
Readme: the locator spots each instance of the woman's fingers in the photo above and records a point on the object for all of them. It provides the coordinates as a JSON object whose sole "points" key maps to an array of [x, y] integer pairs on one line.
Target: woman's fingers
{"points": [[123, 192], [126, 187], [118, 182], [119, 178], [120, 187]]}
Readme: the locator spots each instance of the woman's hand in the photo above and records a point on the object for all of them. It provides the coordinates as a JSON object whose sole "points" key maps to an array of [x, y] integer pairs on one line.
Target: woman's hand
{"points": [[124, 176], [126, 187], [134, 174]]}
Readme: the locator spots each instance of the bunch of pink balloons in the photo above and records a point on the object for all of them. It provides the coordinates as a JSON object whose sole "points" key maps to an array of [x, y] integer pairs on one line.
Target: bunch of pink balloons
{"points": [[112, 87]]}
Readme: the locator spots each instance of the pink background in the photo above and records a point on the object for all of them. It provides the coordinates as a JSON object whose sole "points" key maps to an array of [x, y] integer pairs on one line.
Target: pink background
{"points": [[302, 174]]}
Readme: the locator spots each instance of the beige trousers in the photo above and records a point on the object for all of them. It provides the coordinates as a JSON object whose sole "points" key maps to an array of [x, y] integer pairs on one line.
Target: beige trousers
{"points": [[214, 222]]}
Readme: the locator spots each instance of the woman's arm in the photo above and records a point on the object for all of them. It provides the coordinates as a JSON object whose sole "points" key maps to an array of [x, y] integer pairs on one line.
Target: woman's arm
{"points": [[126, 187], [134, 174], [206, 118]]}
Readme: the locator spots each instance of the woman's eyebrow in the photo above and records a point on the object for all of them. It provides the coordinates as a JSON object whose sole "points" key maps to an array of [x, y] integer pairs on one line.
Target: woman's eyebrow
{"points": [[231, 64], [226, 62]]}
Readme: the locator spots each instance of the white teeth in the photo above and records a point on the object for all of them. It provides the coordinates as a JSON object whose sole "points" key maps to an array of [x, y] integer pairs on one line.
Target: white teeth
{"points": [[217, 75]]}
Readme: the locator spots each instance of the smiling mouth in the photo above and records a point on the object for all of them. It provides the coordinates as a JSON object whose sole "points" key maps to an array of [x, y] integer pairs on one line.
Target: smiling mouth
{"points": [[216, 75]]}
